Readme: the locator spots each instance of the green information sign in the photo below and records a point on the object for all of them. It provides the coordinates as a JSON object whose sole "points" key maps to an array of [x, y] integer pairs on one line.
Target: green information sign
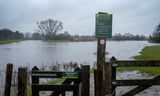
{"points": [[70, 75], [103, 25]]}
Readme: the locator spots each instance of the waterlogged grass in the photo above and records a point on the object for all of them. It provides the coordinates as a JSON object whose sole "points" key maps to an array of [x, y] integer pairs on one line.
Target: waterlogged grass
{"points": [[148, 53], [8, 41], [52, 81], [148, 70]]}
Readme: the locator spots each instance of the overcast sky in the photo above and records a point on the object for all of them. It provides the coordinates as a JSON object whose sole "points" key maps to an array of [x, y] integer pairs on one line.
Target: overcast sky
{"points": [[78, 16]]}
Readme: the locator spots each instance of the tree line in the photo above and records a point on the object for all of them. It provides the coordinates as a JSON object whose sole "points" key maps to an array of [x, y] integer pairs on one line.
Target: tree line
{"points": [[155, 36], [128, 36], [51, 29], [7, 34]]}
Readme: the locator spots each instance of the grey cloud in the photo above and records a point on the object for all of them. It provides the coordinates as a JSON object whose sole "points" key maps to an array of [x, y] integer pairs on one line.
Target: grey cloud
{"points": [[78, 16]]}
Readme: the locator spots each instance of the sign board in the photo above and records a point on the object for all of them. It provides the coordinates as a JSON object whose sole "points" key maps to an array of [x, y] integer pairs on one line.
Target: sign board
{"points": [[70, 75], [103, 25], [50, 74]]}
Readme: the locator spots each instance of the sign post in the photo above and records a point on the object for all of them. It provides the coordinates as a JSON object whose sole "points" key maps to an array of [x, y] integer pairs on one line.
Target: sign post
{"points": [[103, 31]]}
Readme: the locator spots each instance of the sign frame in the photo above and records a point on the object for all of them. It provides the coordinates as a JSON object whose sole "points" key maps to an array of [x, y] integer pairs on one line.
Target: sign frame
{"points": [[103, 26]]}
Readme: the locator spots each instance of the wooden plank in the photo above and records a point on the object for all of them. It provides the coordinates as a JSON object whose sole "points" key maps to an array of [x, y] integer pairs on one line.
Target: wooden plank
{"points": [[138, 63], [44, 87], [139, 89], [85, 90], [22, 81], [141, 82], [46, 74], [8, 79], [51, 74]]}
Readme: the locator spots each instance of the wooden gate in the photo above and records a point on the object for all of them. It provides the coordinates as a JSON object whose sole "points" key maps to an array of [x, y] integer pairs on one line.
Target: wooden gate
{"points": [[112, 82], [72, 82], [141, 84]]}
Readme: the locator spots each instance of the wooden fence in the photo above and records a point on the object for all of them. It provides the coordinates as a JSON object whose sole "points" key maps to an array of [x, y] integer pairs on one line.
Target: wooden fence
{"points": [[72, 82], [77, 81], [141, 84], [22, 80]]}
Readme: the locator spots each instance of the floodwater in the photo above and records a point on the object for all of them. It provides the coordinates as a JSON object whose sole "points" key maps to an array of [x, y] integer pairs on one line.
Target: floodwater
{"points": [[36, 52]]}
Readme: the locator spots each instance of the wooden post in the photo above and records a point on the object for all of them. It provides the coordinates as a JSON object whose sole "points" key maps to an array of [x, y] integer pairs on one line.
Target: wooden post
{"points": [[113, 70], [22, 81], [77, 82], [35, 80], [95, 82], [108, 78], [8, 79], [100, 67], [85, 90]]}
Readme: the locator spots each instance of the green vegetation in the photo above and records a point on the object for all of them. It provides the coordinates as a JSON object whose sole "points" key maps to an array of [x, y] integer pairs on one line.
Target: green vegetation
{"points": [[148, 53], [7, 41], [55, 81]]}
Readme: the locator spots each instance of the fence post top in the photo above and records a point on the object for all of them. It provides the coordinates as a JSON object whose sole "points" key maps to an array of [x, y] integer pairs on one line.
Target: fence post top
{"points": [[10, 64], [23, 67], [113, 59], [35, 68]]}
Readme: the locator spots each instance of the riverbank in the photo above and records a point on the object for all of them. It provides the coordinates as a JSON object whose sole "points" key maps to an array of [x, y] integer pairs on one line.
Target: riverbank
{"points": [[147, 53], [8, 41]]}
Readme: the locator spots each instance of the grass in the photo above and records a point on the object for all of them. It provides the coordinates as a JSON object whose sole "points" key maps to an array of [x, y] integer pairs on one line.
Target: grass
{"points": [[148, 53], [55, 81], [8, 41]]}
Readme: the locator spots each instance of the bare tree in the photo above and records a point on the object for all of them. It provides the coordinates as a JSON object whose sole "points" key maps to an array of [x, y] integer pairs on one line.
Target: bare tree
{"points": [[155, 37], [49, 27]]}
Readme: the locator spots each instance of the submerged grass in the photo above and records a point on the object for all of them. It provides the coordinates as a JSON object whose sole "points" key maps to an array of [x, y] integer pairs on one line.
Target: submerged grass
{"points": [[148, 70]]}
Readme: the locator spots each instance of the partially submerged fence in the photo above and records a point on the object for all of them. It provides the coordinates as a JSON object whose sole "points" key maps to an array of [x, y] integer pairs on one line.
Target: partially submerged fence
{"points": [[22, 80], [141, 84], [77, 81]]}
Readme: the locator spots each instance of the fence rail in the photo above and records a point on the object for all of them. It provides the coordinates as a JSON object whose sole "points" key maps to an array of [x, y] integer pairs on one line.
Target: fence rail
{"points": [[141, 84], [136, 63]]}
